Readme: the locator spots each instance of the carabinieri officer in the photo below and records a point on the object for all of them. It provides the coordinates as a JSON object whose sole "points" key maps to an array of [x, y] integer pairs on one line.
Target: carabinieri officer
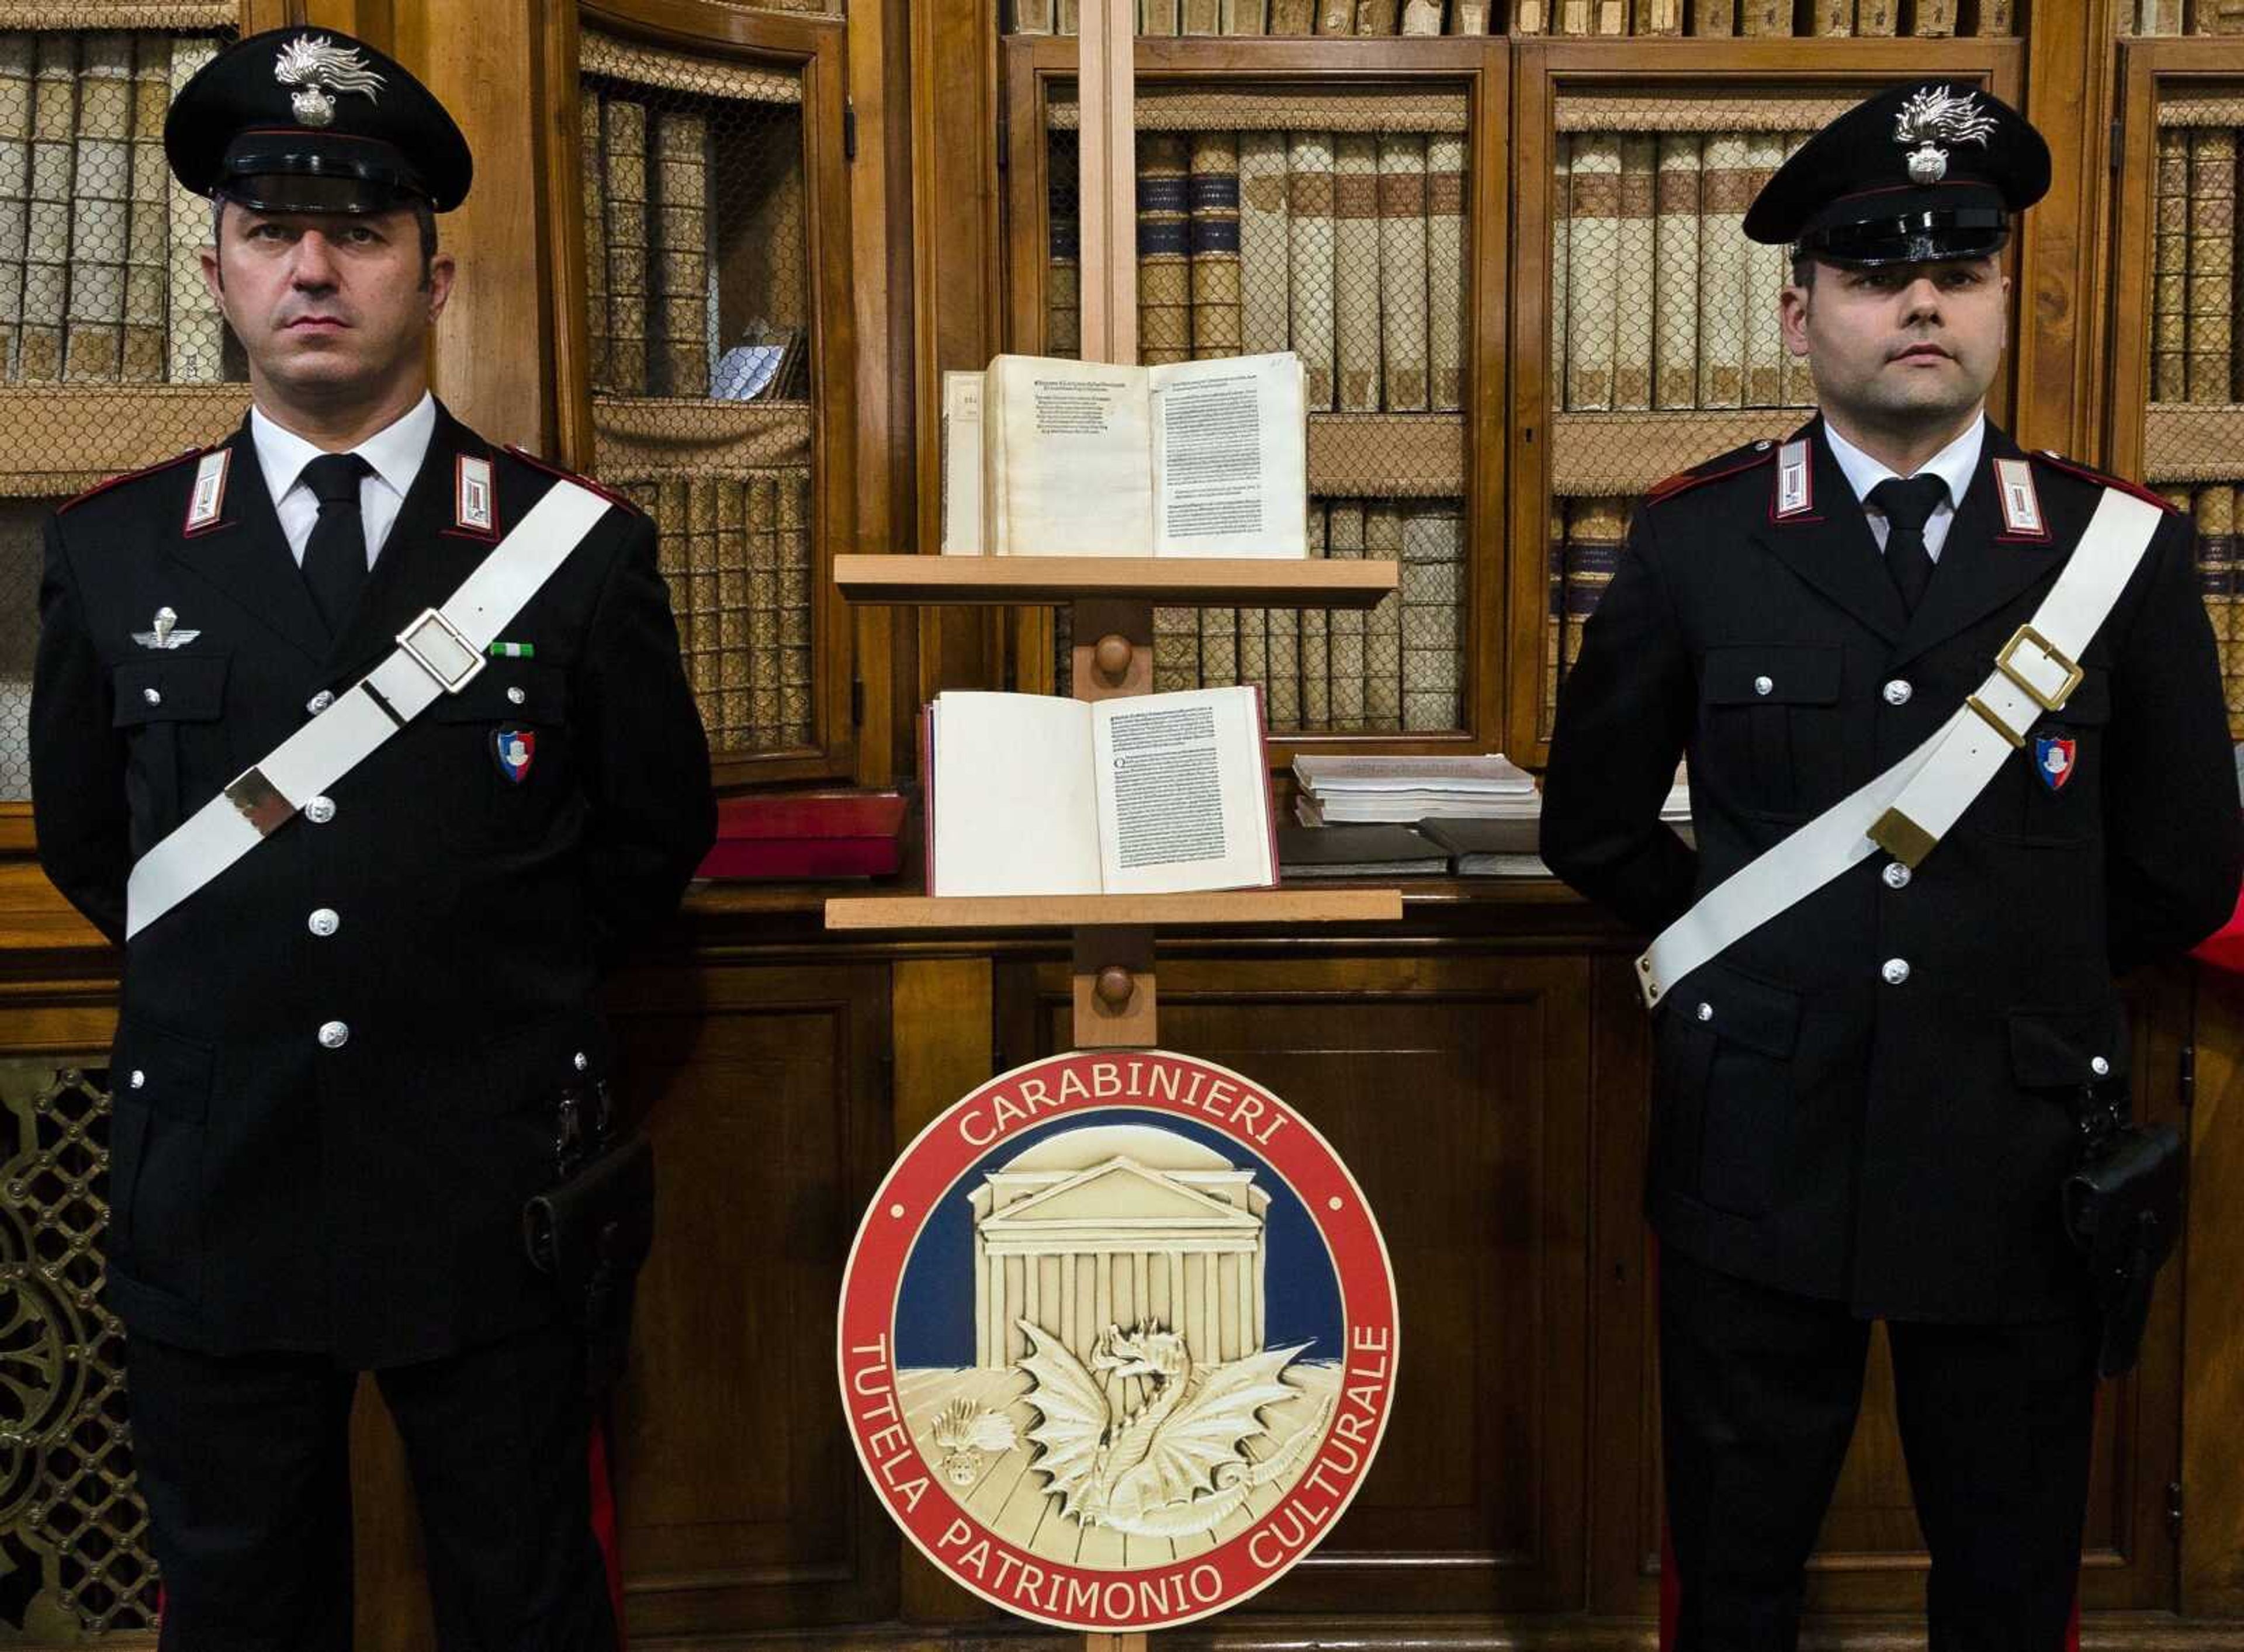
{"points": [[352, 1004], [1863, 1106]]}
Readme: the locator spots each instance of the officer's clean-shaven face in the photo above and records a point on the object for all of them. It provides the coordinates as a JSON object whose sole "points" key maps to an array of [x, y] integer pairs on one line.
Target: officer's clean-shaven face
{"points": [[1898, 348], [331, 308]]}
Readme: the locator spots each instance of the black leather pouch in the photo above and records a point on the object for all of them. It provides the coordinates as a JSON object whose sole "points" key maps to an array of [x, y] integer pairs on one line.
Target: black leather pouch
{"points": [[592, 1230], [2122, 1208]]}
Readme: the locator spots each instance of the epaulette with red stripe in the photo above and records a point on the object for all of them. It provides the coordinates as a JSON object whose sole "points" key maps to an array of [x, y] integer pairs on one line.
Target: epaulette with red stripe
{"points": [[1733, 463], [584, 481], [129, 476], [2072, 468]]}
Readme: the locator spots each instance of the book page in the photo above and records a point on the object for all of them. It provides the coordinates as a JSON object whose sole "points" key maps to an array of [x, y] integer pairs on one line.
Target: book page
{"points": [[1064, 471], [1231, 459], [1010, 808], [962, 465], [1184, 797]]}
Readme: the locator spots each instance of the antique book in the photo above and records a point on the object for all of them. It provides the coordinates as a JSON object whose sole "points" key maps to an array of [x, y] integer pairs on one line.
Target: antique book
{"points": [[1530, 17], [1200, 17], [196, 344], [1213, 197], [1766, 269], [1433, 614], [1310, 228], [2215, 511], [1675, 272], [665, 509], [733, 602], [1356, 268], [2212, 261], [1335, 16], [1246, 16], [1831, 16], [1067, 18], [627, 242], [1219, 647], [1293, 16], [1724, 192], [1592, 269], [1345, 626], [101, 186], [1933, 19], [1382, 626], [700, 521], [2215, 17], [1449, 288], [799, 835], [592, 182], [1554, 612], [1877, 17], [796, 691], [1403, 308], [1421, 16], [1156, 16], [1032, 16], [1254, 649], [147, 252], [1764, 16], [1164, 249], [2162, 17], [1284, 630], [1594, 541], [1315, 626], [681, 349], [16, 71], [1264, 257], [1376, 16], [1611, 17], [1657, 18], [1469, 16], [1488, 846], [763, 719], [1994, 16], [1033, 795], [1381, 850], [1575, 17], [961, 464], [1064, 268], [1561, 298], [1713, 16], [1635, 268], [1196, 458], [1176, 649]]}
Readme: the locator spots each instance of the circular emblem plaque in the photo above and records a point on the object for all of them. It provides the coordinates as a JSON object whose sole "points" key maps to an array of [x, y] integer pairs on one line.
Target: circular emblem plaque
{"points": [[1118, 1339]]}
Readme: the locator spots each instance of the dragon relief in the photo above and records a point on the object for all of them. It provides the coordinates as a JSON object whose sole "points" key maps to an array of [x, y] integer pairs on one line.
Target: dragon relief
{"points": [[1173, 1465]]}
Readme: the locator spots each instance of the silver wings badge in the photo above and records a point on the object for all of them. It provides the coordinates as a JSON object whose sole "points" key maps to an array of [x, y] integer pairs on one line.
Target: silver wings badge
{"points": [[165, 633], [1935, 117], [318, 68]]}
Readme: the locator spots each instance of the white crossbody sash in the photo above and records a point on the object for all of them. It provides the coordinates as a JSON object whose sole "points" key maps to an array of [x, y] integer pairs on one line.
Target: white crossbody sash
{"points": [[438, 654], [1907, 808]]}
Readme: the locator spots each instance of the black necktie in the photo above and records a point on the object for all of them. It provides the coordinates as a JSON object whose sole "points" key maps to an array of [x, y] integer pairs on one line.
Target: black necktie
{"points": [[335, 557], [1908, 506]]}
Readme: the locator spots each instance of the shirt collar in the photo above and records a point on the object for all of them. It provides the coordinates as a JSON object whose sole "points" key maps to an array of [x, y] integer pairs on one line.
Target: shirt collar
{"points": [[395, 452], [1952, 465]]}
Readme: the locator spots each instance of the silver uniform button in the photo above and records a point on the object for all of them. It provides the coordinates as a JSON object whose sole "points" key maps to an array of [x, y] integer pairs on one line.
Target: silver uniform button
{"points": [[1706, 1011], [335, 1034], [581, 1062], [138, 1078], [1896, 971], [153, 696], [2100, 1067], [1896, 875], [1897, 693], [324, 921], [1764, 686], [515, 696], [319, 702], [320, 811]]}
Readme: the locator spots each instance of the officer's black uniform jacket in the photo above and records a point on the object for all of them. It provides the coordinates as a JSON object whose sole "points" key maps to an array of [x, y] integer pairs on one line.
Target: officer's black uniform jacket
{"points": [[1899, 1147], [268, 1193]]}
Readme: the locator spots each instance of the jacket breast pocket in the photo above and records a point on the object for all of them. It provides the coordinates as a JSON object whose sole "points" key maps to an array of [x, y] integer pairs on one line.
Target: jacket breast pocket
{"points": [[1723, 1088], [1769, 722], [160, 1100], [502, 752], [178, 751]]}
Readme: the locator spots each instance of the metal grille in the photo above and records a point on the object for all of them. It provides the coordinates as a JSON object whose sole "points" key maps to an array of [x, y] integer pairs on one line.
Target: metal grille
{"points": [[20, 554], [73, 1534], [1923, 18], [2179, 17], [698, 286]]}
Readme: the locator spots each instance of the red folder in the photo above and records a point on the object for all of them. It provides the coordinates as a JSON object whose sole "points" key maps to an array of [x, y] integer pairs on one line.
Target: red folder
{"points": [[806, 835]]}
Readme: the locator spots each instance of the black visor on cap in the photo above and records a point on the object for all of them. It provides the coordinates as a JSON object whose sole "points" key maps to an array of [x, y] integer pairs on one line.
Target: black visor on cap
{"points": [[1912, 238], [282, 171]]}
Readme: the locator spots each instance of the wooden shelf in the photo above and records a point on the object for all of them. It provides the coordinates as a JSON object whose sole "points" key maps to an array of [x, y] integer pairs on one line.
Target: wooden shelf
{"points": [[1079, 911], [1247, 582]]}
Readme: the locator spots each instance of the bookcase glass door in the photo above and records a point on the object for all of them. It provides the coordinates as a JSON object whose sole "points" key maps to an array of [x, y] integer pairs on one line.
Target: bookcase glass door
{"points": [[700, 331]]}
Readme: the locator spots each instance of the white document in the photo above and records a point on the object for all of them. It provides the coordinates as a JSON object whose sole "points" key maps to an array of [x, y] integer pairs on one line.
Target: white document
{"points": [[962, 465], [1230, 457]]}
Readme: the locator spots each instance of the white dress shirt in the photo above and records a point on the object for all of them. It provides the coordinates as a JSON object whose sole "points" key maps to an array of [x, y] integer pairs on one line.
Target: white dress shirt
{"points": [[1952, 465], [395, 452]]}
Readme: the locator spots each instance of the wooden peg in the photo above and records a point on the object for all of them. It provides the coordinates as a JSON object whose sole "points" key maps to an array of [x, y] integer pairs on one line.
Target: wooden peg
{"points": [[1113, 648], [1112, 656], [1114, 1003]]}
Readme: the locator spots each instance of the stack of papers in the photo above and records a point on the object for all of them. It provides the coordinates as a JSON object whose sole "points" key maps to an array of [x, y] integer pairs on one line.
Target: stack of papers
{"points": [[1403, 790]]}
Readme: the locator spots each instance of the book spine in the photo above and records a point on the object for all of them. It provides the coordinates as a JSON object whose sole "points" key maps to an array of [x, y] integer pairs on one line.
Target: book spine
{"points": [[1067, 18], [1214, 203], [1264, 258], [1530, 17], [627, 243], [731, 618], [1158, 17], [1064, 271], [1724, 194], [1433, 610], [1200, 17], [1554, 613], [1447, 287], [1714, 17], [672, 560], [1764, 16], [1293, 16], [1285, 632], [1996, 19], [1826, 18], [1164, 249], [1658, 17], [1176, 650], [1575, 18], [1345, 626], [1402, 312], [706, 583], [761, 731], [1421, 16], [1356, 272], [1254, 647], [15, 72], [1675, 264], [1935, 19], [196, 348], [1635, 271], [1562, 240], [1469, 16], [681, 263], [592, 182], [147, 248], [1335, 16], [101, 186], [1592, 270], [2212, 261], [2214, 509], [2216, 16], [1877, 18], [1610, 17], [1032, 16], [1382, 627], [1246, 16], [1316, 628], [1375, 17], [796, 697], [1765, 276], [1219, 647], [1592, 551], [1309, 199]]}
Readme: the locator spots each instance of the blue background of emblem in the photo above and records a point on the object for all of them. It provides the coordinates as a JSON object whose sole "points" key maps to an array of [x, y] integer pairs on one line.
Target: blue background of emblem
{"points": [[1300, 1291]]}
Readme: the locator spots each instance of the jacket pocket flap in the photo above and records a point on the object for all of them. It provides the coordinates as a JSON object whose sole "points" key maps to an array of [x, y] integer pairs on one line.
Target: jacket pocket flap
{"points": [[508, 691], [175, 689], [2091, 702], [1744, 1010], [1772, 675], [162, 1071], [2057, 1048]]}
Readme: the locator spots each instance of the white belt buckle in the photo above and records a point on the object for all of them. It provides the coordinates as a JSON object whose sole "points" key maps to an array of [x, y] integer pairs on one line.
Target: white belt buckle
{"points": [[446, 647]]}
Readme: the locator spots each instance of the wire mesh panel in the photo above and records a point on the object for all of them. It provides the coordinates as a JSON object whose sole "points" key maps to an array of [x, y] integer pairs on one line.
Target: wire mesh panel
{"points": [[1921, 18], [20, 523], [699, 307]]}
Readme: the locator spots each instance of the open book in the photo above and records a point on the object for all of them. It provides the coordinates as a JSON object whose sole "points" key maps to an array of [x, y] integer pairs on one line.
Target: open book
{"points": [[1029, 794], [1191, 459]]}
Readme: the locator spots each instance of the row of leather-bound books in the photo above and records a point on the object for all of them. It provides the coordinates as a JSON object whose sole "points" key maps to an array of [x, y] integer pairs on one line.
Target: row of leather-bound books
{"points": [[2218, 510], [2181, 17], [645, 180], [1579, 18], [2196, 353], [1585, 547], [736, 550], [1397, 668], [100, 272]]}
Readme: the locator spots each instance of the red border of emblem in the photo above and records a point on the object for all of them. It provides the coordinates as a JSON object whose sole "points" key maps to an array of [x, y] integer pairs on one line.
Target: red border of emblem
{"points": [[1079, 1084]]}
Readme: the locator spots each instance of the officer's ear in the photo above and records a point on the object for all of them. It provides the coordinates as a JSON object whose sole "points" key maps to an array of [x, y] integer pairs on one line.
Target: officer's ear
{"points": [[438, 284], [214, 272], [1793, 305]]}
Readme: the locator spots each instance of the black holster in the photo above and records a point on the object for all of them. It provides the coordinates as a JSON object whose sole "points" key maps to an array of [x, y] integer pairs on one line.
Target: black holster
{"points": [[592, 1229], [2122, 1208]]}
